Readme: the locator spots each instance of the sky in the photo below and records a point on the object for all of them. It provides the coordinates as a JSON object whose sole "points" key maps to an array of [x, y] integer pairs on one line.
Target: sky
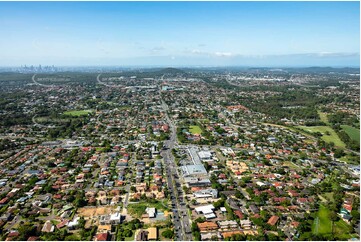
{"points": [[180, 33]]}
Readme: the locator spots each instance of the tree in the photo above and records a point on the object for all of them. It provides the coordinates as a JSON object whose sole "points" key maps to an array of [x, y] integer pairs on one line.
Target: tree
{"points": [[26, 230], [333, 216], [197, 235], [339, 153], [127, 233], [239, 195], [218, 204], [214, 238], [168, 233], [81, 222], [273, 237], [80, 202]]}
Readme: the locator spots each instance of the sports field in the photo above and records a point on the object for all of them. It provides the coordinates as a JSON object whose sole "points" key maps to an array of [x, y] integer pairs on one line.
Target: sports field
{"points": [[195, 129], [352, 132], [332, 137], [322, 223], [77, 113]]}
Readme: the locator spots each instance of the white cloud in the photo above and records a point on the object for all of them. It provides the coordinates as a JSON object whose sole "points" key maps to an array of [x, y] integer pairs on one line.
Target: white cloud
{"points": [[204, 53], [223, 54], [336, 54], [158, 49]]}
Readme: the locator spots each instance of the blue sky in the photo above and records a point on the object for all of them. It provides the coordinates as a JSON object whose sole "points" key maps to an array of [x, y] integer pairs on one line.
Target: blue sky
{"points": [[180, 33]]}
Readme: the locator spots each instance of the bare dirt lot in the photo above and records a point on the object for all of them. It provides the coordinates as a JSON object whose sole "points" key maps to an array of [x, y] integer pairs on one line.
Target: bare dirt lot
{"points": [[95, 211]]}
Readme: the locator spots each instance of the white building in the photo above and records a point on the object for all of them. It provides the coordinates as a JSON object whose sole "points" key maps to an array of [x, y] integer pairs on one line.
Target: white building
{"points": [[206, 193], [115, 218], [193, 170], [205, 155], [207, 211], [73, 224], [229, 224], [246, 224], [151, 212]]}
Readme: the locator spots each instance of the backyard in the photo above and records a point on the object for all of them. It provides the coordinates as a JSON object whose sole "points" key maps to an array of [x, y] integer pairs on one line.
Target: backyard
{"points": [[195, 129]]}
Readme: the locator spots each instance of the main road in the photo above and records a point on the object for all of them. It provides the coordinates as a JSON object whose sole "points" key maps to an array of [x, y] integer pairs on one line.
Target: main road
{"points": [[181, 219]]}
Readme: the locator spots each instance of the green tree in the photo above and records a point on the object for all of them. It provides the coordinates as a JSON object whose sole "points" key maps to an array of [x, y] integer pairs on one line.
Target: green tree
{"points": [[168, 233]]}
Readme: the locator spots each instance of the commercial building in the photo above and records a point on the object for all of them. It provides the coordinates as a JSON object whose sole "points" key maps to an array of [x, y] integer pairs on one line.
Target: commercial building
{"points": [[193, 171], [206, 193], [207, 211]]}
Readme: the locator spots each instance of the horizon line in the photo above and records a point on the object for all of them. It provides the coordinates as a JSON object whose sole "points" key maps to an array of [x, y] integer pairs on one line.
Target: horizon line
{"points": [[186, 66]]}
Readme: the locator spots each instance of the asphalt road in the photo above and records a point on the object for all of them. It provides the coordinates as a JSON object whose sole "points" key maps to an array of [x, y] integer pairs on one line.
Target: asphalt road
{"points": [[181, 219]]}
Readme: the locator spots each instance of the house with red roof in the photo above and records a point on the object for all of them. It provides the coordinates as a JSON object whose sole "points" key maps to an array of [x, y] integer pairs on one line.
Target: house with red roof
{"points": [[102, 237], [239, 214], [273, 220]]}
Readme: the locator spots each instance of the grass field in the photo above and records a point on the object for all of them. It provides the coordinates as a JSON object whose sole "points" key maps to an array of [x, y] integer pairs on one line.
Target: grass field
{"points": [[342, 230], [352, 132], [333, 137], [291, 165], [328, 196], [294, 129], [137, 209], [194, 129], [350, 159], [322, 223], [323, 117], [77, 113]]}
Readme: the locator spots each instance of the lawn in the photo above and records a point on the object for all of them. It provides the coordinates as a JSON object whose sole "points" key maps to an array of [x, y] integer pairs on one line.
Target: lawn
{"points": [[328, 196], [350, 159], [195, 129], [100, 149], [291, 165], [129, 238], [323, 117], [322, 223], [204, 120], [137, 209], [77, 113], [332, 137], [341, 228], [354, 133], [294, 129]]}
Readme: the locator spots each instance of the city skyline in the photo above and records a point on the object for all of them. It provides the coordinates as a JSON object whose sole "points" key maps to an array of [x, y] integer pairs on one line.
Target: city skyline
{"points": [[180, 33]]}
